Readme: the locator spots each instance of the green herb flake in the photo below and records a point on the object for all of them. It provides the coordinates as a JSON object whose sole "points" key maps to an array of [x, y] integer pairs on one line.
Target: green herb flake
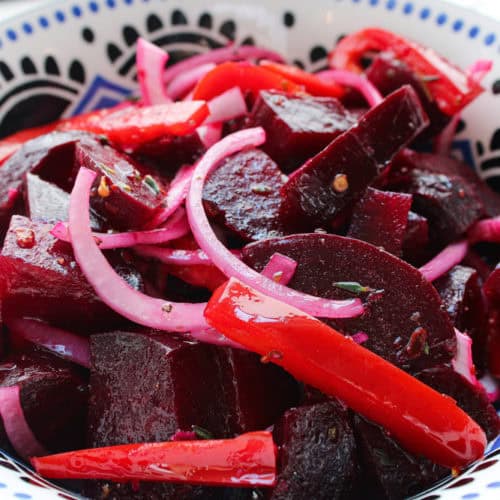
{"points": [[426, 349], [201, 433], [429, 78], [352, 286], [151, 183]]}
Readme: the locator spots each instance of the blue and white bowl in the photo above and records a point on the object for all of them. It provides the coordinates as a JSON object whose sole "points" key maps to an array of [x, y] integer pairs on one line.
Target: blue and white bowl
{"points": [[61, 58]]}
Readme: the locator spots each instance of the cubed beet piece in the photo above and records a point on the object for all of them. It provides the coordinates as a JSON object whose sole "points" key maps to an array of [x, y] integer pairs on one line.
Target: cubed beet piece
{"points": [[449, 200], [50, 155], [256, 394], [170, 152], [461, 292], [53, 397], [329, 183], [473, 400], [380, 218], [46, 202], [41, 279], [125, 193], [298, 126], [451, 167], [243, 195], [388, 74], [143, 388], [402, 306], [317, 457], [416, 240], [389, 471]]}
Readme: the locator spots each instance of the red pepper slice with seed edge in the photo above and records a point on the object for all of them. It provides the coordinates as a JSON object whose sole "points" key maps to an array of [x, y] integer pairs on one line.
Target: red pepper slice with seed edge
{"points": [[424, 421], [312, 84], [245, 461], [132, 126], [449, 86], [244, 75]]}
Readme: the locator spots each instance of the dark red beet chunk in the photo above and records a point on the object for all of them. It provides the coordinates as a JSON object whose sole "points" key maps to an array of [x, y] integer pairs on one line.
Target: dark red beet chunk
{"points": [[389, 74], [388, 471], [41, 279], [243, 195], [492, 286], [125, 193], [50, 155], [53, 398], [170, 152], [380, 218], [462, 296], [329, 183], [473, 400], [449, 201], [45, 202], [408, 307], [416, 240], [317, 456], [256, 394], [452, 167], [298, 126], [145, 387]]}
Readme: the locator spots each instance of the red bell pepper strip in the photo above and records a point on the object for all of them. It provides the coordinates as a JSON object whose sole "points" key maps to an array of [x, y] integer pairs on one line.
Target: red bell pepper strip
{"points": [[450, 87], [245, 461], [425, 422], [312, 84], [244, 75], [132, 126]]}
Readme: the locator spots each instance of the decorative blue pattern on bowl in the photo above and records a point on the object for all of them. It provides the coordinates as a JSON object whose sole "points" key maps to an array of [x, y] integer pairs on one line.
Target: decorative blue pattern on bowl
{"points": [[67, 57]]}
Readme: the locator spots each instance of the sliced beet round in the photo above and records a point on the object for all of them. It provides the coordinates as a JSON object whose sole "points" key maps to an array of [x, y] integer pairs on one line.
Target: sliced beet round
{"points": [[380, 218], [125, 193], [388, 74], [53, 398], [243, 195], [41, 279], [389, 471], [461, 292], [416, 240], [298, 126], [320, 191], [473, 400], [403, 319], [317, 456]]}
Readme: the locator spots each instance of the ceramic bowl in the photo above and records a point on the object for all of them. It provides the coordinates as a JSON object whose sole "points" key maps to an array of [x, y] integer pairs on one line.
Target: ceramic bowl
{"points": [[61, 58]]}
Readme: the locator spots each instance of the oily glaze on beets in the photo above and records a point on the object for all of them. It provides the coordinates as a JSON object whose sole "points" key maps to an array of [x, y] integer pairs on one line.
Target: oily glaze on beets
{"points": [[243, 195], [298, 126], [461, 292], [390, 472], [41, 279], [408, 309], [315, 196], [380, 218], [53, 398], [317, 456]]}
